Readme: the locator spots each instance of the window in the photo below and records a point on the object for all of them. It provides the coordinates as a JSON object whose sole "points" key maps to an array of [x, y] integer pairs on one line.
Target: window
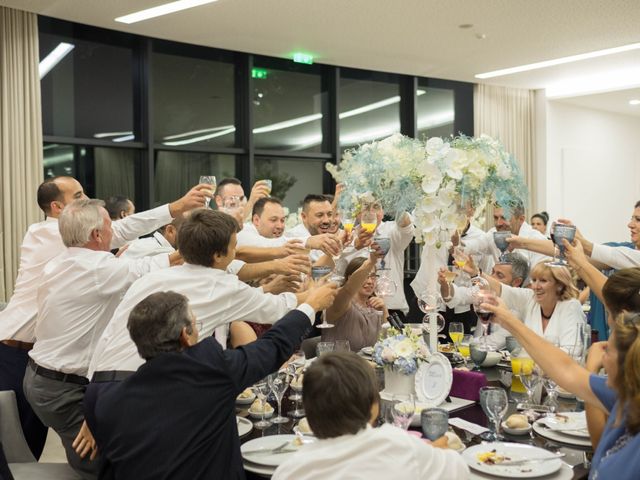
{"points": [[287, 107], [177, 172], [436, 112], [193, 97]]}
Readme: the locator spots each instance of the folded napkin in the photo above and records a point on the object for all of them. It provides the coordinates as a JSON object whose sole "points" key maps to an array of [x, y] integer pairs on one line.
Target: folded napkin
{"points": [[467, 384]]}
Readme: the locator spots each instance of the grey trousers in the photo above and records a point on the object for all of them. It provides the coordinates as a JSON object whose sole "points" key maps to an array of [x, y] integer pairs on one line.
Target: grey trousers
{"points": [[59, 406]]}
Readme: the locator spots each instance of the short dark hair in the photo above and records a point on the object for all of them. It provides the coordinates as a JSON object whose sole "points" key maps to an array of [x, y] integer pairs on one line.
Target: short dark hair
{"points": [[156, 322], [313, 197], [48, 192], [621, 291], [258, 207], [205, 233], [352, 266], [544, 216], [115, 205], [637, 204], [339, 390], [519, 265], [227, 181]]}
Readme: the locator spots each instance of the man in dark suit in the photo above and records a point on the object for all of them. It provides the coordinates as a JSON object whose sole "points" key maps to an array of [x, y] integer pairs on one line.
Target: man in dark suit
{"points": [[175, 417]]}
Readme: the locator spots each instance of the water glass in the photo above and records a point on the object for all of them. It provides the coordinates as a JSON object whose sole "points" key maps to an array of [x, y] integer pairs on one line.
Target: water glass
{"points": [[494, 403], [558, 234], [402, 409], [434, 422], [500, 239], [209, 180], [511, 344], [324, 347], [342, 346], [478, 354], [268, 184]]}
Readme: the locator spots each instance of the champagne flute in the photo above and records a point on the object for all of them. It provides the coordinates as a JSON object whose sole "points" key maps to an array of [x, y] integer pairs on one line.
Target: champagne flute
{"points": [[261, 390], [338, 280], [494, 403], [348, 220], [456, 332], [482, 294], [278, 384], [209, 180], [369, 221], [450, 275]]}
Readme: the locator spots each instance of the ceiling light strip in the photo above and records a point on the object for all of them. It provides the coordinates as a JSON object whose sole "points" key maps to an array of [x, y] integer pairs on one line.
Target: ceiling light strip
{"points": [[160, 10], [51, 60]]}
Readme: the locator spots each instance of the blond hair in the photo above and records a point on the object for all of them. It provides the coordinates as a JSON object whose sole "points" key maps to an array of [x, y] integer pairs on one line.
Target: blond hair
{"points": [[566, 289]]}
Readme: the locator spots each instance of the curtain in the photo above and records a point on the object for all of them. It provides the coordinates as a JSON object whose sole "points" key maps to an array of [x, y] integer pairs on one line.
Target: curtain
{"points": [[20, 137], [508, 114]]}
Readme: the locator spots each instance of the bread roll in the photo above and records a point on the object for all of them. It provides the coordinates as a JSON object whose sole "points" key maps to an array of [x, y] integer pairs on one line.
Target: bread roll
{"points": [[517, 421]]}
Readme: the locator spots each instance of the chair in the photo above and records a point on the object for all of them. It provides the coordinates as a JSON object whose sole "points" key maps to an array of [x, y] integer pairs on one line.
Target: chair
{"points": [[308, 346], [22, 463]]}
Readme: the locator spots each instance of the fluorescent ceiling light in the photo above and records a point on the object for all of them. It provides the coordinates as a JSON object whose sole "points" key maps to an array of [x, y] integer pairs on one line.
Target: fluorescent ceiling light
{"points": [[288, 123], [54, 58], [126, 138], [559, 61], [197, 132], [201, 138], [160, 10], [635, 101], [604, 82], [111, 134]]}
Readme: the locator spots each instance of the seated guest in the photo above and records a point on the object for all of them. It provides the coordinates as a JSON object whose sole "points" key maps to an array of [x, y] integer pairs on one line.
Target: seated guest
{"points": [[175, 417], [341, 402], [512, 272], [539, 222], [550, 307], [616, 395], [119, 207], [357, 313]]}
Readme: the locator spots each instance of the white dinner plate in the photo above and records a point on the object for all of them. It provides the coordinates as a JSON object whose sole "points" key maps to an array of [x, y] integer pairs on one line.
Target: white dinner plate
{"points": [[565, 473], [262, 470], [560, 437], [575, 425], [244, 426], [367, 351], [514, 452], [268, 443]]}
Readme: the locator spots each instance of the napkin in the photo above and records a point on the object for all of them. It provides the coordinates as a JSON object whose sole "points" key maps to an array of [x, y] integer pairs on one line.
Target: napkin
{"points": [[467, 384]]}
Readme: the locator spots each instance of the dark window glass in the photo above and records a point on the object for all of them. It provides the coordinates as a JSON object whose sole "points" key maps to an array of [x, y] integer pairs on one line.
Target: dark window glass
{"points": [[177, 172], [436, 112], [292, 178], [369, 107], [89, 91], [103, 172], [287, 107], [193, 99]]}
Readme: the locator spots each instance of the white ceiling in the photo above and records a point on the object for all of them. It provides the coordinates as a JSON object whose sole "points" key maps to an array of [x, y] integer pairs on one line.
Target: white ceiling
{"points": [[616, 102], [418, 37]]}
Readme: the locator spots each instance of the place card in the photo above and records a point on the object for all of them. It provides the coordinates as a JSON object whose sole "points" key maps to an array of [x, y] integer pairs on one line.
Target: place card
{"points": [[468, 426]]}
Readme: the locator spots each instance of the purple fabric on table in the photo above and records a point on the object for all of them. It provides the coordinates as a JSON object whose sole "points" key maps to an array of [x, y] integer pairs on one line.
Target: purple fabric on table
{"points": [[467, 385]]}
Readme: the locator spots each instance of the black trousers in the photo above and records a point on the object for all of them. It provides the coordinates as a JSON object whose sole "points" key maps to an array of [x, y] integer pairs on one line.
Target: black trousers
{"points": [[13, 363]]}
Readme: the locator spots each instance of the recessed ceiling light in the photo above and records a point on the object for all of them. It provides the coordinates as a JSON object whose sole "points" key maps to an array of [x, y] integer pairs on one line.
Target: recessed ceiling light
{"points": [[559, 61], [51, 60], [160, 10], [481, 36], [635, 101]]}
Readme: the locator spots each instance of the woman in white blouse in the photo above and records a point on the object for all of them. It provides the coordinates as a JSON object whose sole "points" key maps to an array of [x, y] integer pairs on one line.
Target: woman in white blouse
{"points": [[549, 307]]}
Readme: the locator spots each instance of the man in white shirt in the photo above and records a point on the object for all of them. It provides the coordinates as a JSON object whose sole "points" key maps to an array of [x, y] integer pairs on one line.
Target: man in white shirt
{"points": [[517, 225], [341, 400], [78, 293], [163, 240], [119, 207], [317, 219], [217, 298], [41, 243], [230, 190]]}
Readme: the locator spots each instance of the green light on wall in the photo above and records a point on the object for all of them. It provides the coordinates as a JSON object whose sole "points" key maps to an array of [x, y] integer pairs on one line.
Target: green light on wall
{"points": [[260, 73], [300, 57]]}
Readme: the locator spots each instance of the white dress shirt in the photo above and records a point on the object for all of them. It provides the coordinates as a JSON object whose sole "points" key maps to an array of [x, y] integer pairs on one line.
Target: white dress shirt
{"points": [[41, 243], [149, 246], [616, 257], [563, 323], [300, 232], [217, 298], [79, 292], [373, 454], [250, 237], [486, 246]]}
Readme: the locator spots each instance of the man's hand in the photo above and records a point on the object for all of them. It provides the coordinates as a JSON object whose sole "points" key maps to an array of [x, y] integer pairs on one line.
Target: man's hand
{"points": [[322, 297], [259, 190], [327, 242], [85, 443], [442, 442], [594, 357], [293, 247], [363, 239], [293, 264], [193, 199], [281, 283]]}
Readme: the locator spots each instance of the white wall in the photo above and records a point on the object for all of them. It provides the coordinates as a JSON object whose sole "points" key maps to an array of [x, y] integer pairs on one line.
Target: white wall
{"points": [[591, 169]]}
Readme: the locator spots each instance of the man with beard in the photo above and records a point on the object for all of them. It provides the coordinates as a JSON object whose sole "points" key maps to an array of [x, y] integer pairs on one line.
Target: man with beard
{"points": [[317, 219]]}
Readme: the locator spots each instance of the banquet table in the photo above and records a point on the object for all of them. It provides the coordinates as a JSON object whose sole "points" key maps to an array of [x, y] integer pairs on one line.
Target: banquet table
{"points": [[573, 459]]}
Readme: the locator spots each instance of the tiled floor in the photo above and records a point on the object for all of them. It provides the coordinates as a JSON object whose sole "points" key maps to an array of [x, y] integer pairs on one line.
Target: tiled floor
{"points": [[53, 450]]}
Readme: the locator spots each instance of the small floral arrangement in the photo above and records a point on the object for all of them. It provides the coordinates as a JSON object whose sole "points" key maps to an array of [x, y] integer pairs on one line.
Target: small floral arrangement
{"points": [[401, 350]]}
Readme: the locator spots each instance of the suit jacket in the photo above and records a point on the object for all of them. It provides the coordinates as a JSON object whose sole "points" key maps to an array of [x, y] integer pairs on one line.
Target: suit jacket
{"points": [[175, 417]]}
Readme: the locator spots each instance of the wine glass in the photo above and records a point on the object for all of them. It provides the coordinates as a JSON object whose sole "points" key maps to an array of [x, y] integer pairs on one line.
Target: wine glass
{"points": [[324, 347], [294, 368], [261, 390], [464, 348], [558, 234], [342, 346], [483, 294], [494, 403], [478, 354], [369, 221], [434, 422], [209, 180], [402, 409], [348, 220], [500, 239], [385, 287], [528, 373], [456, 332], [338, 280], [278, 383], [549, 384]]}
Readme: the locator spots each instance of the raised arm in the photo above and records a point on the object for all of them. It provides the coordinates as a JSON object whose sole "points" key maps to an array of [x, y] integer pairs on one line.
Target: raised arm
{"points": [[350, 289], [593, 277]]}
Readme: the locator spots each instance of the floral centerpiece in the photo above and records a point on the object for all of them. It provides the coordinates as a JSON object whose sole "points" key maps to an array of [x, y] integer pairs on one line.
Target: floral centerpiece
{"points": [[400, 354]]}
